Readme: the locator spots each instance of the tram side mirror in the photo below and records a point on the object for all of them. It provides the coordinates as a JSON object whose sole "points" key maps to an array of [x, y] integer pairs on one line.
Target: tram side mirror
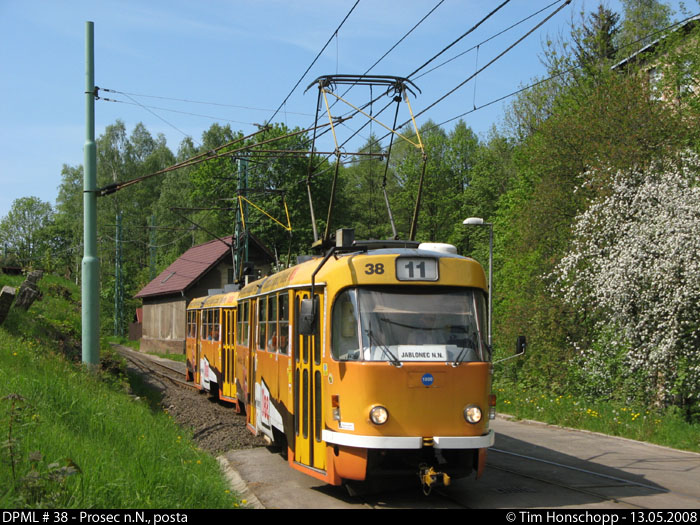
{"points": [[520, 345], [307, 316]]}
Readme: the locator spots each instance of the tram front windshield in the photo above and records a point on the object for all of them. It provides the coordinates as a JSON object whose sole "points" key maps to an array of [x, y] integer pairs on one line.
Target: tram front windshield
{"points": [[409, 324]]}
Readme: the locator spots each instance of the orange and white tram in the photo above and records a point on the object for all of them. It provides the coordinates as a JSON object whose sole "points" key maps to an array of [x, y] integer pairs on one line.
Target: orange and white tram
{"points": [[370, 361]]}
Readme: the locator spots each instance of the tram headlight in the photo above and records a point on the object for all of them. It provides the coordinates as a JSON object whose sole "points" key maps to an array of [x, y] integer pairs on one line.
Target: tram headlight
{"points": [[472, 414], [378, 415]]}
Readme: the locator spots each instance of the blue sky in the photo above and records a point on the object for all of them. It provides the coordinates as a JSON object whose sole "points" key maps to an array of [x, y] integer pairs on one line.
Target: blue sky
{"points": [[243, 55]]}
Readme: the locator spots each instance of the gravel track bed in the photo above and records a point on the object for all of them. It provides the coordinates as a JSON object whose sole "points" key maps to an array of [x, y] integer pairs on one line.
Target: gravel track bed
{"points": [[214, 424]]}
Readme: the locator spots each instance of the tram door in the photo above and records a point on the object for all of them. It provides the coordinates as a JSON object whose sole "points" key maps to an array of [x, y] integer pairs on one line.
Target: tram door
{"points": [[198, 349], [248, 313], [227, 361], [308, 388]]}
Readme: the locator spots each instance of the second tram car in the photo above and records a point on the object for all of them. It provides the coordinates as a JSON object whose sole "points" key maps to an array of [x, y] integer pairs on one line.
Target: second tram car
{"points": [[371, 361]]}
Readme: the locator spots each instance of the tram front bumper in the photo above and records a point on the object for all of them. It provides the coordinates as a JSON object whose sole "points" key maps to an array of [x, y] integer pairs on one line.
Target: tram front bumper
{"points": [[407, 442]]}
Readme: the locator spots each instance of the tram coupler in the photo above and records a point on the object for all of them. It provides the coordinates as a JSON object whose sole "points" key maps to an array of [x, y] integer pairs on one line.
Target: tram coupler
{"points": [[429, 477]]}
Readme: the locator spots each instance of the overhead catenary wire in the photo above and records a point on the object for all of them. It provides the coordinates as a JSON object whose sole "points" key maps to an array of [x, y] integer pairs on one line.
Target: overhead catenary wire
{"points": [[557, 75], [392, 48], [496, 35], [470, 30], [498, 99], [181, 112], [354, 112], [202, 157], [478, 71], [314, 60], [544, 80], [161, 118], [189, 101], [491, 62], [413, 117]]}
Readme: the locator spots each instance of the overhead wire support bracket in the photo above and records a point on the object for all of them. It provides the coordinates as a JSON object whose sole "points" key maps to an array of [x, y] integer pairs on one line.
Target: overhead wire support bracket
{"points": [[397, 88], [288, 227]]}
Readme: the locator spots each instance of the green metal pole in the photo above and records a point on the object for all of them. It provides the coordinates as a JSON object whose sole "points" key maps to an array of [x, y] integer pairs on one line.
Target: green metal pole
{"points": [[237, 230], [244, 166], [118, 284], [91, 264]]}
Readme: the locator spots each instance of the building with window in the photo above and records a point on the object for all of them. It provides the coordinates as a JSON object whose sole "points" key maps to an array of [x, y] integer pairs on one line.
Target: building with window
{"points": [[205, 267], [670, 63]]}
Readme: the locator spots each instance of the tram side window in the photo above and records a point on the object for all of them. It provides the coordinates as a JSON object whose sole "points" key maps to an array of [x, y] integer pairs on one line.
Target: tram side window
{"points": [[239, 324], [345, 341], [216, 326], [262, 322], [243, 323], [223, 325], [272, 324], [283, 313], [210, 323]]}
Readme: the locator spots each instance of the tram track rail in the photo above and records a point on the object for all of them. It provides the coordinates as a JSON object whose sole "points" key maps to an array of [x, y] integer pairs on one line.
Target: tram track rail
{"points": [[157, 368], [589, 491]]}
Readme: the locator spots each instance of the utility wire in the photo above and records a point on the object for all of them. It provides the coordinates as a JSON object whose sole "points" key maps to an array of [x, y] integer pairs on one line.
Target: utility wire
{"points": [[392, 48], [491, 62], [459, 38], [487, 40], [470, 30], [354, 112], [202, 157], [404, 36], [180, 112], [539, 82], [161, 118], [187, 162], [314, 60], [377, 141], [199, 102]]}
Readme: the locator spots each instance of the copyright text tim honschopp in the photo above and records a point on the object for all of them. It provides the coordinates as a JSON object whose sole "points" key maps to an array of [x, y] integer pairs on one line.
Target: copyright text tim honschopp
{"points": [[596, 518], [633, 517]]}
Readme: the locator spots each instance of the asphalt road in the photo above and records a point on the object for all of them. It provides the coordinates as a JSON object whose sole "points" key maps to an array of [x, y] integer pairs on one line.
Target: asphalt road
{"points": [[531, 466]]}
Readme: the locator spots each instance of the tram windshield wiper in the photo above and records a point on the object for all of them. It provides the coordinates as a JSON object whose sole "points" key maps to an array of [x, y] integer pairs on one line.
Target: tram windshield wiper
{"points": [[463, 351], [392, 358], [458, 361]]}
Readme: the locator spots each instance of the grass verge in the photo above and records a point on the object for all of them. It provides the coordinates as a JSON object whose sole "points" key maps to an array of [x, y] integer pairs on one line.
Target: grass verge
{"points": [[607, 417], [74, 438]]}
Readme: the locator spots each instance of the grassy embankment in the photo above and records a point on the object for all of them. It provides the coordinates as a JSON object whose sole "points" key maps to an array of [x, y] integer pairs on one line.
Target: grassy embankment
{"points": [[643, 424], [75, 439]]}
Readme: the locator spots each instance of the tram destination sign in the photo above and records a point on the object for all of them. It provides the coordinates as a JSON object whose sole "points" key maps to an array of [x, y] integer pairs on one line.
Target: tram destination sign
{"points": [[416, 269]]}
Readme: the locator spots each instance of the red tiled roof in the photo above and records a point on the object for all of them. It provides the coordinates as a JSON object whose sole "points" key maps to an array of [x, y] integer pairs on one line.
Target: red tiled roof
{"points": [[187, 269]]}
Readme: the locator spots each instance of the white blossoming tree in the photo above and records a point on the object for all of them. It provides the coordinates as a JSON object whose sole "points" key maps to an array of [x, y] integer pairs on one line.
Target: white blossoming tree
{"points": [[634, 272]]}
